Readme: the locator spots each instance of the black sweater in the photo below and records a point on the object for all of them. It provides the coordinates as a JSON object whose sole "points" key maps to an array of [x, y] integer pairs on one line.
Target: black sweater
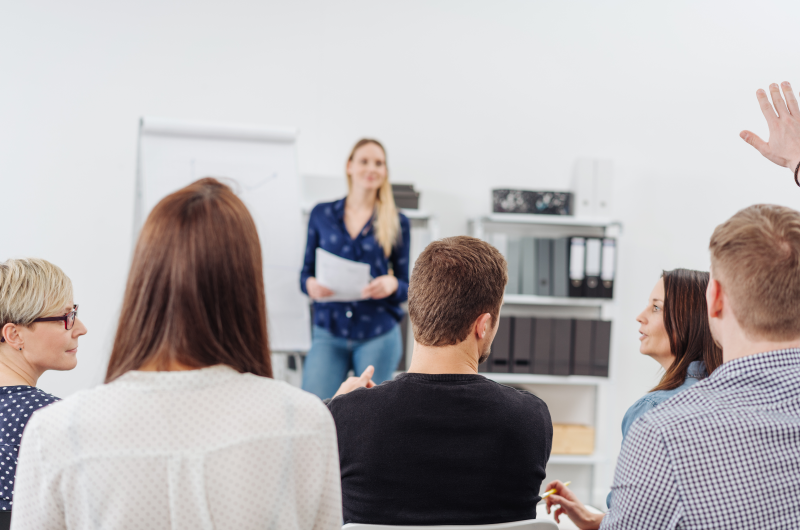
{"points": [[441, 449]]}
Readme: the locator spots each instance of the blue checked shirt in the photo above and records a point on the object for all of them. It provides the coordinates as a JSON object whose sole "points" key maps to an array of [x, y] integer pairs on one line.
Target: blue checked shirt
{"points": [[724, 454], [368, 318]]}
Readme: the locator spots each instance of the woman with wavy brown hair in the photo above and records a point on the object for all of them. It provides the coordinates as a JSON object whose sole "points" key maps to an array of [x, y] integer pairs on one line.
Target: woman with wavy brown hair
{"points": [[190, 431], [674, 331]]}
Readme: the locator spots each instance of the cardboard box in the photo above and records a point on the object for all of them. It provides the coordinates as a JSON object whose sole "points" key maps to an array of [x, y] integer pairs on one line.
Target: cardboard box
{"points": [[572, 439]]}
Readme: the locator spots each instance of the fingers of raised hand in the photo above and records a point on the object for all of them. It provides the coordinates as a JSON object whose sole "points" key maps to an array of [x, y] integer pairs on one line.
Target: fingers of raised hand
{"points": [[766, 108], [791, 101], [754, 140], [777, 100]]}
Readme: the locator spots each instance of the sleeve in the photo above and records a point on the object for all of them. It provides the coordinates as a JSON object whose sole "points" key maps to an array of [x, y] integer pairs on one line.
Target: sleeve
{"points": [[401, 262], [309, 260], [37, 502], [636, 411], [330, 513], [645, 489]]}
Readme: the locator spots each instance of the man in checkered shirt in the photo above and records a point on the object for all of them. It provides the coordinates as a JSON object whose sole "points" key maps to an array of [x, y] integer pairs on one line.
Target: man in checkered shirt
{"points": [[726, 452]]}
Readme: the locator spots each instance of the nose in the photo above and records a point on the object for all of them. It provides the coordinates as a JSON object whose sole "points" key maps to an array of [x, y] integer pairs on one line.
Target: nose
{"points": [[640, 318], [79, 328]]}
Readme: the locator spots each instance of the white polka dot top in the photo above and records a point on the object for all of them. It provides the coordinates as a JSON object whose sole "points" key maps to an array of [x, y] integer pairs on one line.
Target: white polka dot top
{"points": [[201, 450], [17, 404]]}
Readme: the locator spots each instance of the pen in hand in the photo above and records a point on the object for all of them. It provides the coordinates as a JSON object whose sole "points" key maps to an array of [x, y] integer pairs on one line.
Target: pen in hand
{"points": [[550, 492]]}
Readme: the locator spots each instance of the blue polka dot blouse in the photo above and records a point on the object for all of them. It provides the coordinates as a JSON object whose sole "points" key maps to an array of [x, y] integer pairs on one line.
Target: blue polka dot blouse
{"points": [[365, 319], [17, 404]]}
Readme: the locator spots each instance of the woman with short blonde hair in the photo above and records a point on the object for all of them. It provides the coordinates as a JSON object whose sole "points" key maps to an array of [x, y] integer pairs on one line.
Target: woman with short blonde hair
{"points": [[39, 331]]}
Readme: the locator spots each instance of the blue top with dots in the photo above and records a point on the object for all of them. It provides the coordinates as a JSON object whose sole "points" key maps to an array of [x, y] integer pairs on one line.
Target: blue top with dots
{"points": [[17, 404], [367, 318]]}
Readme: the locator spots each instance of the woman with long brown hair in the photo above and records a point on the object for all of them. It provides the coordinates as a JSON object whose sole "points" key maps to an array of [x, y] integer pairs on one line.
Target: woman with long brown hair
{"points": [[365, 227], [189, 431], [674, 331]]}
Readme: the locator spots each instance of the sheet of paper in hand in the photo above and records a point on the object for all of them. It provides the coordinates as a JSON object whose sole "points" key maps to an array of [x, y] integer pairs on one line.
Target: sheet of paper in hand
{"points": [[346, 278]]}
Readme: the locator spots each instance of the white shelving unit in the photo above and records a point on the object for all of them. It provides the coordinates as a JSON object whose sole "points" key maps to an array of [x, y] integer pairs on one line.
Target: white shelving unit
{"points": [[571, 399]]}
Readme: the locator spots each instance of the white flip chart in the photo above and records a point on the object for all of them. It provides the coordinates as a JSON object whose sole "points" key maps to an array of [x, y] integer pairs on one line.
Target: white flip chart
{"points": [[261, 165]]}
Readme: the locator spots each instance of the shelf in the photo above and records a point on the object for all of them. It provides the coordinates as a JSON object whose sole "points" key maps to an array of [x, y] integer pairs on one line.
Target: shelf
{"points": [[559, 220], [529, 299], [576, 459], [416, 214], [539, 379]]}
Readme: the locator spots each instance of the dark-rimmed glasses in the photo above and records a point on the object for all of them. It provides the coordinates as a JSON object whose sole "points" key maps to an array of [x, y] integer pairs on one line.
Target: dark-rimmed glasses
{"points": [[69, 320]]}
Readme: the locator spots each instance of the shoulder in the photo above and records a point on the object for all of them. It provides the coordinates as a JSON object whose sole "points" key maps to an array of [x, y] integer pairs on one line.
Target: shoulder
{"points": [[404, 222], [517, 398], [691, 405], [327, 209]]}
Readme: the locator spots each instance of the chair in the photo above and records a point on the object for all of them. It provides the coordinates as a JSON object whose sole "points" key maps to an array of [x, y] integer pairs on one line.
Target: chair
{"points": [[530, 524]]}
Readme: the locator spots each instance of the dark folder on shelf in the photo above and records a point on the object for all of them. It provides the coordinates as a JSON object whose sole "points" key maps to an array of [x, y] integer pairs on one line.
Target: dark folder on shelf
{"points": [[602, 347], [528, 266], [522, 345], [562, 347], [577, 266], [501, 346], [608, 268], [544, 265], [582, 344], [594, 249], [542, 346], [560, 273]]}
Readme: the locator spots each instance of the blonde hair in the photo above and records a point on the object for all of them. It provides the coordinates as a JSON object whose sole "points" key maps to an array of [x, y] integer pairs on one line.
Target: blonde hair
{"points": [[31, 288], [755, 256], [387, 220]]}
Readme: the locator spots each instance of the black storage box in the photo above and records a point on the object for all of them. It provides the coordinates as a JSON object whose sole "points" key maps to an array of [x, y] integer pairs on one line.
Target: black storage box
{"points": [[405, 196], [538, 202]]}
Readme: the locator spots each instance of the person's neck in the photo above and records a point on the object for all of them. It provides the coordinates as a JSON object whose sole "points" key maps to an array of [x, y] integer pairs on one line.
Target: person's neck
{"points": [[12, 373], [360, 199], [457, 359], [738, 344], [169, 365]]}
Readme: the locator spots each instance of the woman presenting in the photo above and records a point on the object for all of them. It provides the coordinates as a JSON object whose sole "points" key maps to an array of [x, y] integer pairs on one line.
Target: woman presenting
{"points": [[366, 227]]}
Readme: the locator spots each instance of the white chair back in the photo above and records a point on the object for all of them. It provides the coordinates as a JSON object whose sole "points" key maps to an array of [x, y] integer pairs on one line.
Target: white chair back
{"points": [[531, 524]]}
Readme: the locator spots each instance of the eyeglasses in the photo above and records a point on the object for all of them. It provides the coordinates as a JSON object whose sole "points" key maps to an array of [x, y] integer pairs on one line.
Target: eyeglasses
{"points": [[69, 320]]}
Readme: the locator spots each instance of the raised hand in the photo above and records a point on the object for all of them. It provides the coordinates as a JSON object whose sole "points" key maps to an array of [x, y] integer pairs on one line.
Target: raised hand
{"points": [[364, 381], [783, 120]]}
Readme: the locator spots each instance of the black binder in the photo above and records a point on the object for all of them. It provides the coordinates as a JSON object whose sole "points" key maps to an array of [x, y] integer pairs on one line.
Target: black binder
{"points": [[583, 342], [542, 346], [577, 266], [594, 251], [562, 347], [602, 346], [608, 268], [500, 356], [522, 345]]}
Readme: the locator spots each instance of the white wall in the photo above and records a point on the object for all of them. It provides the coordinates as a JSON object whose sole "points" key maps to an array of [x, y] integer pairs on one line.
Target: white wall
{"points": [[466, 96]]}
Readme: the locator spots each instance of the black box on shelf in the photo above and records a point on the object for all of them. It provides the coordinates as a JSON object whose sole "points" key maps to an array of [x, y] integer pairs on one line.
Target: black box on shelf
{"points": [[500, 358], [536, 202], [522, 346], [405, 196]]}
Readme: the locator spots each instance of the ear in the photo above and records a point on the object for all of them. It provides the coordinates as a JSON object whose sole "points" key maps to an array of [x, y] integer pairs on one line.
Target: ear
{"points": [[482, 326], [10, 333], [714, 299]]}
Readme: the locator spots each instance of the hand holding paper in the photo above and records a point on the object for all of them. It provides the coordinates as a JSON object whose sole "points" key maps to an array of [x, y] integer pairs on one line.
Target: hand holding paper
{"points": [[346, 278]]}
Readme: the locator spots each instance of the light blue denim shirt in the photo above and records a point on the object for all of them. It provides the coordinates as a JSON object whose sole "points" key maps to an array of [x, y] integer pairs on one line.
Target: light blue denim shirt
{"points": [[695, 373]]}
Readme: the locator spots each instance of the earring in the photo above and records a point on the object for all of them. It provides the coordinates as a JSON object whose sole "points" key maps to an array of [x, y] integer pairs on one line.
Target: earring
{"points": [[20, 349]]}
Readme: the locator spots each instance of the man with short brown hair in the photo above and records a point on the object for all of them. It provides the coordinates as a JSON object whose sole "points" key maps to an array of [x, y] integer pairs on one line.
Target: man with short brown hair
{"points": [[442, 444], [726, 452]]}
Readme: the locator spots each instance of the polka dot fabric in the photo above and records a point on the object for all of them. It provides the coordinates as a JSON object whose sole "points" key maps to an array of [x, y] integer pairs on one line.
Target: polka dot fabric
{"points": [[17, 405], [202, 449]]}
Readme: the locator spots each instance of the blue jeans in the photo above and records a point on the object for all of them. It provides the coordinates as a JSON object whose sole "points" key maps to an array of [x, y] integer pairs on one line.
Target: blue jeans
{"points": [[331, 357]]}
